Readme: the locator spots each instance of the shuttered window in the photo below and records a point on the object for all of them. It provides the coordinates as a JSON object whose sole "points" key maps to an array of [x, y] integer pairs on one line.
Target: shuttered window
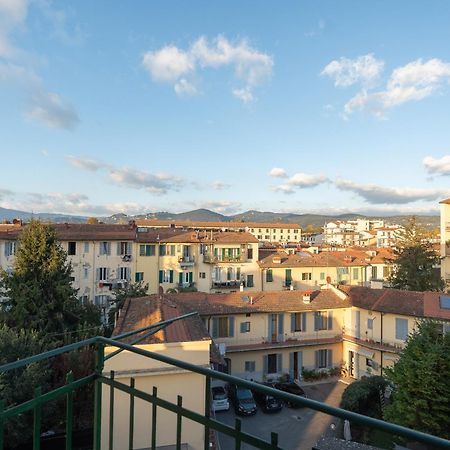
{"points": [[401, 329]]}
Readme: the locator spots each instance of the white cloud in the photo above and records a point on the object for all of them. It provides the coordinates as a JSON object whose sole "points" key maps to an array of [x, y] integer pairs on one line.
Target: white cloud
{"points": [[85, 163], [52, 110], [412, 82], [12, 16], [223, 207], [300, 181], [437, 166], [345, 72], [174, 65], [278, 172], [220, 185], [375, 194], [168, 63], [185, 88]]}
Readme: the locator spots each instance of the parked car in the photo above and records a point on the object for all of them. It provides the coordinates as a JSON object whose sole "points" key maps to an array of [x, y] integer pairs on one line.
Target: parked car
{"points": [[291, 388], [220, 399], [243, 401], [268, 403]]}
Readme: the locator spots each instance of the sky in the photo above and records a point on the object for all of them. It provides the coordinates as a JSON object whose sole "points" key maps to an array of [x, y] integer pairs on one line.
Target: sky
{"points": [[303, 106]]}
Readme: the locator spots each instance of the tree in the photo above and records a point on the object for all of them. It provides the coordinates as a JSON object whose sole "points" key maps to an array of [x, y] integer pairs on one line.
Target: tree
{"points": [[415, 260], [17, 385], [92, 220], [421, 396], [39, 294]]}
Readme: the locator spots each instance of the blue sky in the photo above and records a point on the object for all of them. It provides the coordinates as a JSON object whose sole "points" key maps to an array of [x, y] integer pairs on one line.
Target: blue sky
{"points": [[318, 106]]}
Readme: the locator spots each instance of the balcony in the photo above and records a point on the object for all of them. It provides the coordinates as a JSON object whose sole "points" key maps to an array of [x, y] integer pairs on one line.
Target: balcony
{"points": [[373, 344], [124, 397], [186, 261], [213, 259], [227, 284]]}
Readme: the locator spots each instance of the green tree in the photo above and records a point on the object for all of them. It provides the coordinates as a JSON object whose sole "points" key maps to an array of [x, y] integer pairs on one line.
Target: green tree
{"points": [[415, 260], [17, 385], [421, 396], [39, 293]]}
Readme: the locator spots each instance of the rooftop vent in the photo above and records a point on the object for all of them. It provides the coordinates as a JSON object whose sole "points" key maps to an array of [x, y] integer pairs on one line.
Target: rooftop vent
{"points": [[277, 260], [306, 298]]}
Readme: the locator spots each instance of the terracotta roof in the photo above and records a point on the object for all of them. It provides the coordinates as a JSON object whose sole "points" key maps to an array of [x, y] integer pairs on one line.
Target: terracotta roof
{"points": [[218, 225], [446, 201], [323, 259], [254, 302], [144, 311]]}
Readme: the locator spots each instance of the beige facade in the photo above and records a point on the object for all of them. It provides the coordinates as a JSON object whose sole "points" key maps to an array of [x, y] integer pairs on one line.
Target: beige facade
{"points": [[445, 240], [170, 382]]}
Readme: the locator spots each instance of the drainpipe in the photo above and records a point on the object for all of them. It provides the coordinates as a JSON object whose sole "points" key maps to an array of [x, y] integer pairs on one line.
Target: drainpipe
{"points": [[381, 342]]}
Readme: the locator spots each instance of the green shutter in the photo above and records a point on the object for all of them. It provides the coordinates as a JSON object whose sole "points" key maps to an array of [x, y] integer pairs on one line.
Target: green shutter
{"points": [[161, 276], [304, 322], [170, 276], [191, 277], [292, 322], [180, 278], [231, 326], [215, 327]]}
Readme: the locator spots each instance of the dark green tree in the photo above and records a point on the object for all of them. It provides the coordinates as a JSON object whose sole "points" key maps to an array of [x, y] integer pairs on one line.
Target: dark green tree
{"points": [[416, 262], [39, 293], [17, 385], [421, 396]]}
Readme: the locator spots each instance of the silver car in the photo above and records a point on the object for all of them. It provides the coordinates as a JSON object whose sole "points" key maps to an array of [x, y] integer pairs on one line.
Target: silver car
{"points": [[220, 399]]}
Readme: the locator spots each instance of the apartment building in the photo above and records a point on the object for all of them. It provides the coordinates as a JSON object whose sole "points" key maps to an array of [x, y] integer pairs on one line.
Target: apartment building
{"points": [[445, 239], [185, 340], [101, 256], [264, 335], [387, 236], [266, 232]]}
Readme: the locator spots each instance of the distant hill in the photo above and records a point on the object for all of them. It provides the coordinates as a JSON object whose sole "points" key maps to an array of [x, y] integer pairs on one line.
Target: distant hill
{"points": [[205, 215]]}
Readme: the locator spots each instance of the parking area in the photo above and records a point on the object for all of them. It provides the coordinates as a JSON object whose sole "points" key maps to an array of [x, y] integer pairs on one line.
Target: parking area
{"points": [[297, 429]]}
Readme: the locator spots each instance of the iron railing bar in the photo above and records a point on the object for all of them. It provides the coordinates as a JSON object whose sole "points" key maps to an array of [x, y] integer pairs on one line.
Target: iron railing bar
{"points": [[49, 354], [207, 409], [111, 413], [154, 406], [154, 325], [179, 418], [51, 395], [196, 417], [99, 364], [37, 420], [237, 429], [2, 423], [69, 413], [136, 341], [312, 404], [131, 425]]}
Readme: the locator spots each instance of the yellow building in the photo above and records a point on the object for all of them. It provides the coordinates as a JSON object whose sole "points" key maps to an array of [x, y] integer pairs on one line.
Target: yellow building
{"points": [[185, 340]]}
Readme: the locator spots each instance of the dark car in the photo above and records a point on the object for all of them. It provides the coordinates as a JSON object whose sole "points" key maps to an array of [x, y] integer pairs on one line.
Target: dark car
{"points": [[291, 388], [268, 403], [243, 401]]}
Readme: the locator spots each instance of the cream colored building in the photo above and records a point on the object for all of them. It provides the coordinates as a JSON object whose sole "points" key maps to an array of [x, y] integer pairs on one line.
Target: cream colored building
{"points": [[185, 340], [267, 232], [445, 240]]}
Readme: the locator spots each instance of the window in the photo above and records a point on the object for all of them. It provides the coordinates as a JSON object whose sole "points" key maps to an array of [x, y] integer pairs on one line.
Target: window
{"points": [[249, 280], [105, 248], [245, 327], [10, 248], [250, 366], [72, 279], [323, 320], [102, 273], [274, 363], [267, 237], [370, 324], [146, 250], [324, 358], [166, 276], [166, 250], [386, 271], [250, 253], [298, 322], [86, 273], [288, 277], [401, 329], [202, 274], [369, 362], [139, 276], [444, 301], [123, 248], [101, 300], [72, 248], [374, 272], [124, 273], [222, 327], [269, 276], [86, 247], [306, 276], [295, 231], [322, 275], [355, 273]]}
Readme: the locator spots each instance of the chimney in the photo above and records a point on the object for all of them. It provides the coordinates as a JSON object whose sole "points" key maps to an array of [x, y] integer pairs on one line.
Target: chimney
{"points": [[241, 288], [291, 287], [251, 300], [276, 259], [306, 298]]}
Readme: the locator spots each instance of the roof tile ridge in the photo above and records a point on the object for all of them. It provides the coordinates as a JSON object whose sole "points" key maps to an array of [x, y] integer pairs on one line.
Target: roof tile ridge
{"points": [[381, 298]]}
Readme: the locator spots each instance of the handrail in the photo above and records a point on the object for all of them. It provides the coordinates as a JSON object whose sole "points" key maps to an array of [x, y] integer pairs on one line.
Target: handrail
{"points": [[313, 404]]}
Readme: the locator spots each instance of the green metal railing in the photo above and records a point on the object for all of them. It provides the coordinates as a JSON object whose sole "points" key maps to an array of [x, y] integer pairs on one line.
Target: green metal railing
{"points": [[99, 378]]}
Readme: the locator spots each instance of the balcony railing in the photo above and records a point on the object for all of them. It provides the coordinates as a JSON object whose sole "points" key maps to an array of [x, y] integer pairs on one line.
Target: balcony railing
{"points": [[214, 259], [231, 284], [186, 261], [99, 378]]}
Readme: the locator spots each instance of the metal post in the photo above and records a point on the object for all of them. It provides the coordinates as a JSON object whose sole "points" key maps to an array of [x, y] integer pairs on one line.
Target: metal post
{"points": [[99, 363], [69, 413], [37, 420], [207, 409], [237, 437], [2, 423], [111, 413], [131, 429], [179, 416], [155, 394]]}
